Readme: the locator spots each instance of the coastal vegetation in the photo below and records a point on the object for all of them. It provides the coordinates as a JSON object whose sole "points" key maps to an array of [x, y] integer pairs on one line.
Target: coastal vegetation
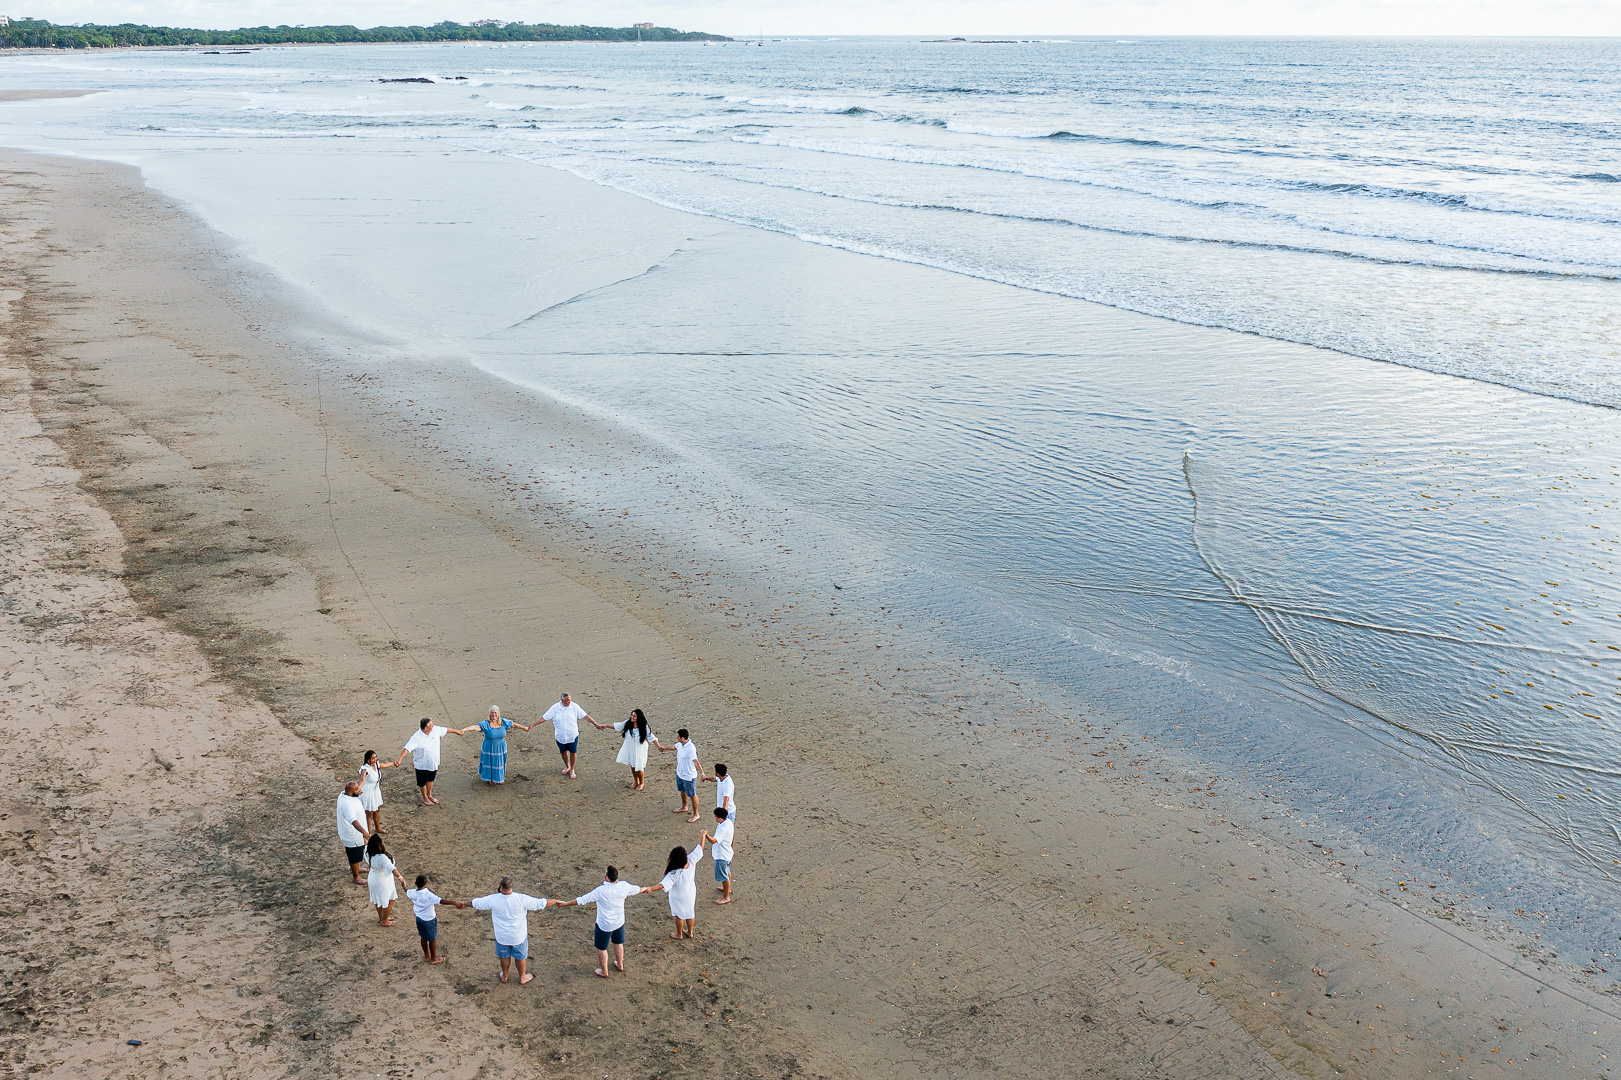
{"points": [[39, 34]]}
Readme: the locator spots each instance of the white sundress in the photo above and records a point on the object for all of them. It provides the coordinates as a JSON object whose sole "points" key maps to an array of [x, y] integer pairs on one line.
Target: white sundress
{"points": [[632, 751], [371, 792], [381, 881], [681, 886]]}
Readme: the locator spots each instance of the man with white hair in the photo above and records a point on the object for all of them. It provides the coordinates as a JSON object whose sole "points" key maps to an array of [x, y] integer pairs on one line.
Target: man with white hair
{"points": [[565, 719]]}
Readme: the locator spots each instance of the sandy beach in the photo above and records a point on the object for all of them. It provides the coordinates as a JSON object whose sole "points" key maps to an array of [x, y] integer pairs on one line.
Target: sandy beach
{"points": [[228, 573]]}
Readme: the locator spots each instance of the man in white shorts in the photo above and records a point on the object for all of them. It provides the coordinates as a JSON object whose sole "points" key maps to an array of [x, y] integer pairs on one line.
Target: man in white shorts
{"points": [[565, 718]]}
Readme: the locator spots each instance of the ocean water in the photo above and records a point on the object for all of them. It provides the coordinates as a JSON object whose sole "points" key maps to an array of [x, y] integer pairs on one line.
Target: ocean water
{"points": [[1382, 567]]}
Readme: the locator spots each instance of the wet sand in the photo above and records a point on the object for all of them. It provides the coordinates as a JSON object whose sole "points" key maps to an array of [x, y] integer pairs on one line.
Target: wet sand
{"points": [[212, 552]]}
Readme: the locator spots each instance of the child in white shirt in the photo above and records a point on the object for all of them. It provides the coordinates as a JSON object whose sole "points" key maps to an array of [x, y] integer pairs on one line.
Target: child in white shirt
{"points": [[423, 901], [722, 841]]}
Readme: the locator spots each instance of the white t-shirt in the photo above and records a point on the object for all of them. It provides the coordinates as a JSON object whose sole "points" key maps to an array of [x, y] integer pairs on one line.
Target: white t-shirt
{"points": [[424, 747], [723, 788], [350, 810], [422, 903], [723, 840], [686, 760], [565, 720], [509, 914], [610, 900]]}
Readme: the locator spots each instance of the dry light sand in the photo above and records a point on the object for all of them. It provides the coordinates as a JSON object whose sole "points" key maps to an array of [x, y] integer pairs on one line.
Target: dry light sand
{"points": [[218, 590]]}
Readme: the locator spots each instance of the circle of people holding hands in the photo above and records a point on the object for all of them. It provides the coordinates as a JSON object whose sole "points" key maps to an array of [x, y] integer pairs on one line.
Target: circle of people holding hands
{"points": [[360, 831]]}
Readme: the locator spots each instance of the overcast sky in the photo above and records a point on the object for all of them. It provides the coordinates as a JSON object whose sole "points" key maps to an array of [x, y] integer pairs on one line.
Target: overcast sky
{"points": [[922, 17]]}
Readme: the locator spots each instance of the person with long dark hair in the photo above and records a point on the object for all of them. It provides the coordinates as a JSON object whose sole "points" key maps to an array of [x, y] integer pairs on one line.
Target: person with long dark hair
{"points": [[635, 739], [681, 886], [381, 880], [371, 790]]}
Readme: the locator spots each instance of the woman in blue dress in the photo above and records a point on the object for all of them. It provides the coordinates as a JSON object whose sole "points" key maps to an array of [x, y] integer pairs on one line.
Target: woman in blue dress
{"points": [[492, 760]]}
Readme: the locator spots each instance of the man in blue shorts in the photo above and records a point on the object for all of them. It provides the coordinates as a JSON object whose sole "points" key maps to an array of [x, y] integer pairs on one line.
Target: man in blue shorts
{"points": [[687, 771], [722, 851], [565, 719], [609, 897], [509, 912]]}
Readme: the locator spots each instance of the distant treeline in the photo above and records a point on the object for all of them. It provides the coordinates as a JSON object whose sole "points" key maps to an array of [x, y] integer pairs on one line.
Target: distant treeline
{"points": [[38, 34]]}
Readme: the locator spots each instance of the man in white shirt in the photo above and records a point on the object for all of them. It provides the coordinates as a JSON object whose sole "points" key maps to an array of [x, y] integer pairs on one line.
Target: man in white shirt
{"points": [[722, 852], [687, 771], [725, 790], [565, 718], [424, 902], [609, 897], [509, 914], [424, 750], [352, 832]]}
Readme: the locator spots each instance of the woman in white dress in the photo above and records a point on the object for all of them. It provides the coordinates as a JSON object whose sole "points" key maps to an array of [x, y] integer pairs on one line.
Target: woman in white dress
{"points": [[371, 791], [636, 738], [381, 880], [681, 887]]}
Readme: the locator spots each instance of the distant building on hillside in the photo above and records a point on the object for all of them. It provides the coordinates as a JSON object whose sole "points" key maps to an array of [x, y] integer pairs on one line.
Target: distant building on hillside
{"points": [[5, 20], [497, 23], [643, 26]]}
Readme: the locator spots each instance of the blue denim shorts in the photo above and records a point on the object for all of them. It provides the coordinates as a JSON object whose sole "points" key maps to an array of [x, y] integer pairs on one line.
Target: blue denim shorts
{"points": [[687, 787], [603, 937], [723, 869], [569, 747], [428, 929], [519, 951]]}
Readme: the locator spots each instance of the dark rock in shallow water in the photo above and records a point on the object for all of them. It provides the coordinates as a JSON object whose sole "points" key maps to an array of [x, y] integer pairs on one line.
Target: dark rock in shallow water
{"points": [[420, 80]]}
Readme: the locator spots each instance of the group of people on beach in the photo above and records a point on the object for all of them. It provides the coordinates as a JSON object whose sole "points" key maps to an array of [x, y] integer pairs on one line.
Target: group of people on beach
{"points": [[360, 831]]}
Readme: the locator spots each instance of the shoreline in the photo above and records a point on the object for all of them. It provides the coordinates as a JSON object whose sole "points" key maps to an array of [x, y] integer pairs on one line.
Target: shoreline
{"points": [[1225, 1021], [40, 51]]}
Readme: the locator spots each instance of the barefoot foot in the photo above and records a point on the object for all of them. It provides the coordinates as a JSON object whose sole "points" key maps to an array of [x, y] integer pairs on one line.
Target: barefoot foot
{"points": [[438, 961], [723, 901], [525, 978], [599, 971]]}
